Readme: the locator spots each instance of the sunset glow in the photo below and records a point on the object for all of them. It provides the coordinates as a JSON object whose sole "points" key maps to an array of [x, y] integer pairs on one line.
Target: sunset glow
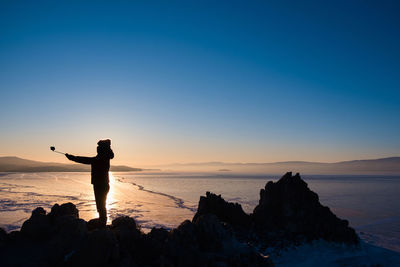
{"points": [[237, 83]]}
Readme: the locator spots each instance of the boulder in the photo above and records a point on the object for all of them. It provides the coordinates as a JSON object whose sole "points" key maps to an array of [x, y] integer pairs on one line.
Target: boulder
{"points": [[100, 249], [184, 235], [66, 209], [123, 222], [209, 242], [38, 226], [228, 212], [94, 224], [220, 233], [290, 210], [211, 235], [126, 232], [69, 228], [3, 237], [158, 238], [66, 223]]}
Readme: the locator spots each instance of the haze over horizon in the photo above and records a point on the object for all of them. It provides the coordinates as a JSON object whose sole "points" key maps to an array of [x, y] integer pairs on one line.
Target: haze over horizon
{"points": [[198, 82]]}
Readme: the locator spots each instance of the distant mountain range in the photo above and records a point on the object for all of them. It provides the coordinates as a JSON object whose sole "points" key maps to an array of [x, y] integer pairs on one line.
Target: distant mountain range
{"points": [[15, 164], [385, 166]]}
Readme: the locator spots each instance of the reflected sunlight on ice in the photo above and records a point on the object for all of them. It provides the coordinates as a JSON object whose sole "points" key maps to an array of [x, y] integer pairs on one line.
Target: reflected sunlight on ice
{"points": [[371, 204]]}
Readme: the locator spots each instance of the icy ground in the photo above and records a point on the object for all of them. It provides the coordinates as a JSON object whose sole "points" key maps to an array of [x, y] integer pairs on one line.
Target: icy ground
{"points": [[322, 253]]}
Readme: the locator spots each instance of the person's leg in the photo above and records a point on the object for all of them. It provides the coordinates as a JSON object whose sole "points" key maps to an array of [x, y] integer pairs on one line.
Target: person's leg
{"points": [[103, 203], [100, 192]]}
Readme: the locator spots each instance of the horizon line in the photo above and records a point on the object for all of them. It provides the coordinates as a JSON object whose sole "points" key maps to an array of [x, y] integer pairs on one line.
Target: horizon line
{"points": [[230, 163]]}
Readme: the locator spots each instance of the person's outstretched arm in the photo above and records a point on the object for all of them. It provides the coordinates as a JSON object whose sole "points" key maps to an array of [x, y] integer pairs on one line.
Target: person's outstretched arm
{"points": [[83, 160]]}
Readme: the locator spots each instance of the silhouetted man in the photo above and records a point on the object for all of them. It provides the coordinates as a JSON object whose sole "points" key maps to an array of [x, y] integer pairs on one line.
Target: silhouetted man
{"points": [[100, 180]]}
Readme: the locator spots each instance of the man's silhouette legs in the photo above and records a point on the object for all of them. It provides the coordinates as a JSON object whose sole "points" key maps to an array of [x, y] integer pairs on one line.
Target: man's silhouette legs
{"points": [[100, 194]]}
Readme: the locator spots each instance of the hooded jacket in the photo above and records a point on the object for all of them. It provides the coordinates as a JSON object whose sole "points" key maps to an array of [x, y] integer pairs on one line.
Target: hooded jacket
{"points": [[100, 163]]}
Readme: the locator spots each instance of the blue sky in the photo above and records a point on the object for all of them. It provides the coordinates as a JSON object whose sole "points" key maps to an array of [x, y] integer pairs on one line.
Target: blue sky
{"points": [[201, 81]]}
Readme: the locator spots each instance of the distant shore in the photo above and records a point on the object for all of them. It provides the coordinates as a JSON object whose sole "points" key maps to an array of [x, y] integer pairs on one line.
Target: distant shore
{"points": [[15, 164]]}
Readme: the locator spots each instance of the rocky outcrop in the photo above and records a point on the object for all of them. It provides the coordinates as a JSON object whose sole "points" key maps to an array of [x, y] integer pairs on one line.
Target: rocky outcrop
{"points": [[292, 211], [228, 212], [220, 233], [208, 242], [288, 212], [37, 226], [3, 238], [60, 238]]}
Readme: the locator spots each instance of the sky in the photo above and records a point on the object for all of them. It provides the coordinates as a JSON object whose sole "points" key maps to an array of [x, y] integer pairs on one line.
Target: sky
{"points": [[195, 81]]}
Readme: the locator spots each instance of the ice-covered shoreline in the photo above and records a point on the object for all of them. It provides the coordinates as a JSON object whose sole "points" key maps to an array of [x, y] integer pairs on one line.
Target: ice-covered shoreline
{"points": [[216, 221], [22, 193]]}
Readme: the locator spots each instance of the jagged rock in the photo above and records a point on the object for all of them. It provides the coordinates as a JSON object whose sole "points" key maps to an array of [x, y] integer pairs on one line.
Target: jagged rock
{"points": [[288, 212], [37, 226], [70, 228], [66, 209], [124, 222], [231, 213], [220, 233], [3, 237], [292, 211], [158, 238], [67, 229], [14, 236], [209, 242], [159, 234], [126, 232], [101, 249], [94, 224], [184, 234], [211, 234]]}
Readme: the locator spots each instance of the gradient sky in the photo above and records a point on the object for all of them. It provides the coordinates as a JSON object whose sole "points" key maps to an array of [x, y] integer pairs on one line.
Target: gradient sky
{"points": [[196, 81]]}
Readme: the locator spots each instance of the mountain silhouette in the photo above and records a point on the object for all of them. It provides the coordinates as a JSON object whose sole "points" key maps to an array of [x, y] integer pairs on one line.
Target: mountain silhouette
{"points": [[15, 164], [381, 166]]}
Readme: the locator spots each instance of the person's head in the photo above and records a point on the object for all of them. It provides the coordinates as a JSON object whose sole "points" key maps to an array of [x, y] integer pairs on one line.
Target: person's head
{"points": [[104, 148]]}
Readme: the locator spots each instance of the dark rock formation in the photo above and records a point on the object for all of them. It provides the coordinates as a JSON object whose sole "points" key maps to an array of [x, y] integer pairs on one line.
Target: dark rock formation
{"points": [[3, 237], [208, 242], [220, 234], [66, 209], [231, 213], [290, 208], [99, 248], [95, 224], [37, 226], [60, 238], [288, 212]]}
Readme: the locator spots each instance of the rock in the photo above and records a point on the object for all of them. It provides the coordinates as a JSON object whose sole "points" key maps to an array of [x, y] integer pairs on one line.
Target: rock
{"points": [[66, 209], [3, 237], [124, 222], [15, 236], [94, 224], [159, 234], [127, 234], [158, 238], [231, 213], [211, 235], [209, 242], [184, 235], [100, 249], [292, 211], [38, 226], [70, 228], [220, 233]]}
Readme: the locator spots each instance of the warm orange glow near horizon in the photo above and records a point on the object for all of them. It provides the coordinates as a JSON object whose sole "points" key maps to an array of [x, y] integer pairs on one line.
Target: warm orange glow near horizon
{"points": [[142, 156]]}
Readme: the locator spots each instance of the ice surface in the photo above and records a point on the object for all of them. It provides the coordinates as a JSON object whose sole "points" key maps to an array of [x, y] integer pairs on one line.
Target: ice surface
{"points": [[371, 204]]}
